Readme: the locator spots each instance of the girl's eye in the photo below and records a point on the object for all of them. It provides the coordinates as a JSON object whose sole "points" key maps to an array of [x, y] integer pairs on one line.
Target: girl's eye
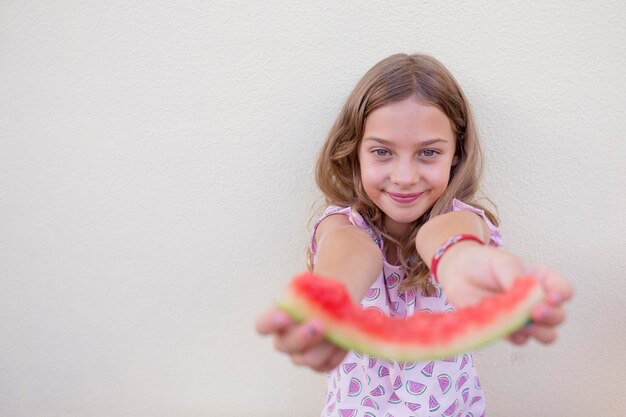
{"points": [[429, 153], [381, 152]]}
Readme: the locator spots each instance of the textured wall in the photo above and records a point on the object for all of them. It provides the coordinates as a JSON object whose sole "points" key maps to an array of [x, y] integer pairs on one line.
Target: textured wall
{"points": [[155, 174]]}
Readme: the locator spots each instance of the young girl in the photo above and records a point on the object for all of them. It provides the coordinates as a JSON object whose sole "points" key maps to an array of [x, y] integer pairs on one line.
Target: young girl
{"points": [[400, 170]]}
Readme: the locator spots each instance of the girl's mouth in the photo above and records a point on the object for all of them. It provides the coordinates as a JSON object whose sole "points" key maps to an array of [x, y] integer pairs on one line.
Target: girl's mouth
{"points": [[404, 198]]}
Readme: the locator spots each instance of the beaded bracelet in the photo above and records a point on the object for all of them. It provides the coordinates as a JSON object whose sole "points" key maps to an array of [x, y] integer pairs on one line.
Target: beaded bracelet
{"points": [[439, 253]]}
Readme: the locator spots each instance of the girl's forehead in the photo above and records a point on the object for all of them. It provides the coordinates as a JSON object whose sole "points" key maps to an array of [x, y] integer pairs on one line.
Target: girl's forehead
{"points": [[408, 118]]}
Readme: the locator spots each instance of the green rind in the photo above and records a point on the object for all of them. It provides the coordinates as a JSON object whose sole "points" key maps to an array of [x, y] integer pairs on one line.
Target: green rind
{"points": [[350, 339]]}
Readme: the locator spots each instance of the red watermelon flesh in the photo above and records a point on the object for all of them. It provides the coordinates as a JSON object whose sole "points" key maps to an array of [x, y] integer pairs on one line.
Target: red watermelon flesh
{"points": [[424, 335]]}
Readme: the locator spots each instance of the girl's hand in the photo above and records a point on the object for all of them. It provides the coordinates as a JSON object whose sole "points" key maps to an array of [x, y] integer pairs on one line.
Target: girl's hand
{"points": [[469, 272], [303, 342]]}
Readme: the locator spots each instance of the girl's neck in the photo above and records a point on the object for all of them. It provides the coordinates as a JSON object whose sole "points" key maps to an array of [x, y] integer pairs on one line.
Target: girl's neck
{"points": [[395, 229], [391, 253]]}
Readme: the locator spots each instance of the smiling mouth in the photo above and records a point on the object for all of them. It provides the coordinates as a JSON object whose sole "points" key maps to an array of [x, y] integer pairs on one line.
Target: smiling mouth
{"points": [[404, 198]]}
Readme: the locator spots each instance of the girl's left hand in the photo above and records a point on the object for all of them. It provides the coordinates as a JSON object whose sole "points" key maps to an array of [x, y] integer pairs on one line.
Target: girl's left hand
{"points": [[472, 272], [551, 313]]}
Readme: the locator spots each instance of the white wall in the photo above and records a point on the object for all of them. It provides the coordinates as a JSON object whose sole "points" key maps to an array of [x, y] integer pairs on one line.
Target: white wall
{"points": [[155, 182]]}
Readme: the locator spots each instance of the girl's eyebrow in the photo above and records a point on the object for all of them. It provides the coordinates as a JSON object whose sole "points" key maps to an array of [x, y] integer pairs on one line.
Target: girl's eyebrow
{"points": [[388, 143]]}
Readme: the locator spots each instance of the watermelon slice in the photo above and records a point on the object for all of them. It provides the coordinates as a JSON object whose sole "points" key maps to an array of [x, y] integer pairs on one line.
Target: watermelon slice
{"points": [[423, 336]]}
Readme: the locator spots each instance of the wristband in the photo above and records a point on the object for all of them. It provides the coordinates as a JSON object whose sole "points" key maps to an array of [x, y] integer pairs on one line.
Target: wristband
{"points": [[439, 253]]}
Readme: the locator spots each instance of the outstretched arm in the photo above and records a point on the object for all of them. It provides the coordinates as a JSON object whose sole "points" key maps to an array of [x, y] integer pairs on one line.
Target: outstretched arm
{"points": [[469, 271], [345, 253]]}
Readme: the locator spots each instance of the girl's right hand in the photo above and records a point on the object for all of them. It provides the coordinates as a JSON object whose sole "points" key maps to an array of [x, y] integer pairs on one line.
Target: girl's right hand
{"points": [[303, 342], [472, 272]]}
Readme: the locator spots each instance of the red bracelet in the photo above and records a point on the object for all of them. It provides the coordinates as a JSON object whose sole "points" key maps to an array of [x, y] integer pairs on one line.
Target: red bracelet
{"points": [[454, 239]]}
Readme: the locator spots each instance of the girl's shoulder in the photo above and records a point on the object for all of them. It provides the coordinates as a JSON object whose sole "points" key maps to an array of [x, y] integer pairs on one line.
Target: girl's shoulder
{"points": [[496, 238], [343, 216]]}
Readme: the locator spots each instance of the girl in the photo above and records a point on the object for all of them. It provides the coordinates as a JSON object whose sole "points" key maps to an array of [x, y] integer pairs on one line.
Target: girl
{"points": [[400, 170]]}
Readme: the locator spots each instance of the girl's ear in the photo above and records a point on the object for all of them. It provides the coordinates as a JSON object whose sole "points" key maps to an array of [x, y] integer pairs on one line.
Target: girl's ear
{"points": [[456, 160]]}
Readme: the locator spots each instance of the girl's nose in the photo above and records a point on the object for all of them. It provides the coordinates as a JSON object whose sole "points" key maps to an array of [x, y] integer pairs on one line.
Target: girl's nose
{"points": [[405, 173]]}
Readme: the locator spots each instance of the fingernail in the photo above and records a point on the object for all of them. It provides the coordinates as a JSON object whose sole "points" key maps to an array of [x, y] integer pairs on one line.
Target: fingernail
{"points": [[518, 338], [279, 319], [313, 329], [555, 297], [542, 312]]}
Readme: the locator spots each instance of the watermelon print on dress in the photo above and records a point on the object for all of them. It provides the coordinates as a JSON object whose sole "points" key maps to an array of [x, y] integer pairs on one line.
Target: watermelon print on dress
{"points": [[445, 382], [394, 399], [397, 383], [347, 367], [413, 406], [451, 410], [355, 387], [378, 391], [465, 395], [433, 404], [392, 280], [427, 371], [368, 402], [461, 381], [415, 388], [464, 361], [408, 297], [372, 294], [409, 366]]}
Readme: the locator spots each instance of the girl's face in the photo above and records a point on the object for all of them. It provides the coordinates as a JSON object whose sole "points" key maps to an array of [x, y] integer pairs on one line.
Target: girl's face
{"points": [[406, 155]]}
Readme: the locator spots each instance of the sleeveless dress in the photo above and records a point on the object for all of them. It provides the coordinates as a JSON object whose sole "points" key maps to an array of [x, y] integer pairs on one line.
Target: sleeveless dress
{"points": [[363, 386]]}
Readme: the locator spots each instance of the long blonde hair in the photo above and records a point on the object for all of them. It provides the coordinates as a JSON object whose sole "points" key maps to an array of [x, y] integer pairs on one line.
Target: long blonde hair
{"points": [[337, 171]]}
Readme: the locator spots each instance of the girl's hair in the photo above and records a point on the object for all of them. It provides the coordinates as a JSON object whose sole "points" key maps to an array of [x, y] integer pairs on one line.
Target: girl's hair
{"points": [[338, 173]]}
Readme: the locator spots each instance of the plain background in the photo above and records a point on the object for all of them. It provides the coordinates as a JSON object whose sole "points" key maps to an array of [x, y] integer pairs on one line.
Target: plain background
{"points": [[156, 185]]}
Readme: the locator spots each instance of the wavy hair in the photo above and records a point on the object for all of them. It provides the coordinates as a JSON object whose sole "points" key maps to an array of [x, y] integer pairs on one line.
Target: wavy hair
{"points": [[338, 173]]}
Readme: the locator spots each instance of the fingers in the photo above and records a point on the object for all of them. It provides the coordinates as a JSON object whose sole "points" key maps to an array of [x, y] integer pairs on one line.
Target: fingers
{"points": [[558, 289], [272, 321], [505, 268], [545, 319], [299, 338], [290, 337], [303, 342], [519, 338], [551, 313], [543, 334], [306, 345], [322, 357], [545, 314]]}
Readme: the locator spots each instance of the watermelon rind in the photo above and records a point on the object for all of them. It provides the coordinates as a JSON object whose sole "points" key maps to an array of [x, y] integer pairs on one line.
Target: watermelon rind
{"points": [[347, 336]]}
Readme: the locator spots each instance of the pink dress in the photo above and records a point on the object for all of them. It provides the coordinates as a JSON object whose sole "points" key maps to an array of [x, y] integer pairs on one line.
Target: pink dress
{"points": [[362, 386]]}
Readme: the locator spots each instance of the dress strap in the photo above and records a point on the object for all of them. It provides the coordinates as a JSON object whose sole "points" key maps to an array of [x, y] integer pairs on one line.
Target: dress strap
{"points": [[353, 217], [495, 237]]}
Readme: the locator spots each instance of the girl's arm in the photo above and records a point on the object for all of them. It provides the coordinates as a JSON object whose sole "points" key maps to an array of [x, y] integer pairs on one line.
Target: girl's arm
{"points": [[469, 271], [348, 254], [345, 253]]}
